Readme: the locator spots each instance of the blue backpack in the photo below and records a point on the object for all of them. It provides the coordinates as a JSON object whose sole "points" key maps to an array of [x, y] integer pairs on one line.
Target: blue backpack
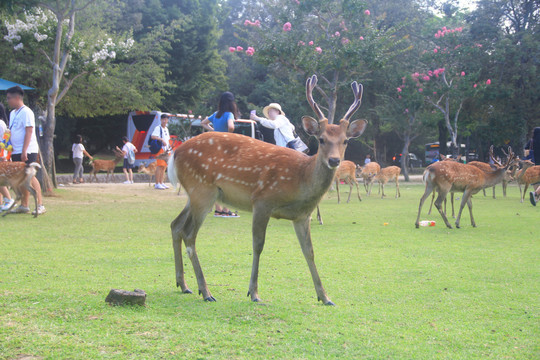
{"points": [[155, 145]]}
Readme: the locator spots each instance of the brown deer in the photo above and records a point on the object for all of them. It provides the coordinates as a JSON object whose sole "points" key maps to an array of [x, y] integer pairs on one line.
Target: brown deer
{"points": [[508, 175], [255, 176], [150, 170], [450, 176], [347, 172], [369, 171], [529, 174], [18, 175], [387, 174], [105, 165]]}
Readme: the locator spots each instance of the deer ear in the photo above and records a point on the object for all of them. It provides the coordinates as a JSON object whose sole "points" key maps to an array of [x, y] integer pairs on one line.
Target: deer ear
{"points": [[311, 126], [356, 128]]}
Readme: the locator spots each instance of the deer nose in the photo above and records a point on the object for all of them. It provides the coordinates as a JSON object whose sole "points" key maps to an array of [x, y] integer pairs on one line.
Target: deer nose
{"points": [[333, 162]]}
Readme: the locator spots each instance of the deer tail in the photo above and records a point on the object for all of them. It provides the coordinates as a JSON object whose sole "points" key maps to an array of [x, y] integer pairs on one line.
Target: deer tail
{"points": [[31, 169], [171, 170]]}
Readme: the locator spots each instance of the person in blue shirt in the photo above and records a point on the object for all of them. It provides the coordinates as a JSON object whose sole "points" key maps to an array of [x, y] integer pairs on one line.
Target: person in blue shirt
{"points": [[223, 121]]}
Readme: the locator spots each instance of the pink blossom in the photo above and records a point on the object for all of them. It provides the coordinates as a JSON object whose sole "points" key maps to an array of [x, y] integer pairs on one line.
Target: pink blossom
{"points": [[249, 52], [318, 49], [190, 112], [398, 89], [399, 97], [287, 26], [406, 111], [488, 82], [474, 86], [239, 48], [463, 73], [301, 43], [232, 49], [367, 12], [297, 2], [345, 41], [310, 43], [435, 50], [425, 78], [257, 23], [434, 93], [337, 34], [361, 38], [430, 73], [247, 22], [420, 90]]}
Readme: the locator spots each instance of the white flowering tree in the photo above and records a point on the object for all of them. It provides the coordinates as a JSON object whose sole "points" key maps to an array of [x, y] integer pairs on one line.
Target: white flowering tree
{"points": [[49, 30]]}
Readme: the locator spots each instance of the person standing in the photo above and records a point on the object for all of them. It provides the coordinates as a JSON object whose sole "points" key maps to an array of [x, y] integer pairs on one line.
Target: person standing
{"points": [[274, 118], [78, 154], [223, 121], [5, 196], [367, 160], [128, 166], [161, 133], [25, 146]]}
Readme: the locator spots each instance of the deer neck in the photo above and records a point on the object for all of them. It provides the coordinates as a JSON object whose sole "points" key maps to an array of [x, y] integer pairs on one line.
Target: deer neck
{"points": [[319, 176], [495, 176]]}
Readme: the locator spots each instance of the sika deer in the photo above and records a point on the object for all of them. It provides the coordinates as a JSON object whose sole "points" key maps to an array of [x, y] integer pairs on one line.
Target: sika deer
{"points": [[450, 176], [529, 174], [369, 171], [386, 174], [150, 170], [255, 176], [18, 175], [347, 172], [106, 165]]}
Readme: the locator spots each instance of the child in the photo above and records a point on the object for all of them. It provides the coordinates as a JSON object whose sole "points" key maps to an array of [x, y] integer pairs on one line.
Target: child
{"points": [[128, 168], [7, 201], [223, 121], [78, 154], [275, 119]]}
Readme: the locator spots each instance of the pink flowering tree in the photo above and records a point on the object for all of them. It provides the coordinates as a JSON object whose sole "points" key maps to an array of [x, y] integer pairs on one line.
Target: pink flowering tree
{"points": [[451, 78], [336, 40]]}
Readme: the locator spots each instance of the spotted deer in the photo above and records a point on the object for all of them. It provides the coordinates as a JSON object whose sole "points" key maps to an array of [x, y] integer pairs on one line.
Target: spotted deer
{"points": [[18, 175], [386, 174], [368, 173], [270, 181], [105, 165], [150, 170], [450, 176], [529, 174]]}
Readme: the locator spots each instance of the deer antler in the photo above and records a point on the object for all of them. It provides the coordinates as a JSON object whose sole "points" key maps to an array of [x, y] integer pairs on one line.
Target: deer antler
{"points": [[310, 85], [510, 157], [358, 90], [492, 157]]}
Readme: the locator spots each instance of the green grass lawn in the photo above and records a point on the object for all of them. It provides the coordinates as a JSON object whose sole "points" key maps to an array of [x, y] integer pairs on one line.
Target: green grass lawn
{"points": [[401, 292]]}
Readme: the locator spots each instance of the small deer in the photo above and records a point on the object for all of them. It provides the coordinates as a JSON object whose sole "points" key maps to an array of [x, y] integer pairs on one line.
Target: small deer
{"points": [[255, 176], [450, 176], [105, 165], [347, 172], [529, 174], [368, 173], [387, 174], [18, 175], [150, 170]]}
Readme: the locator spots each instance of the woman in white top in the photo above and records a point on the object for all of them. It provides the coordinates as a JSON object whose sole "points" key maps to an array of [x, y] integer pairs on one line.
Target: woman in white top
{"points": [[78, 154], [275, 119]]}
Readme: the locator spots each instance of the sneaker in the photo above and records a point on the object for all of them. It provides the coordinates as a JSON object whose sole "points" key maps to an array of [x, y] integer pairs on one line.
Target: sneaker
{"points": [[40, 210], [20, 210], [131, 182], [159, 187], [7, 204], [127, 182], [532, 198], [164, 186]]}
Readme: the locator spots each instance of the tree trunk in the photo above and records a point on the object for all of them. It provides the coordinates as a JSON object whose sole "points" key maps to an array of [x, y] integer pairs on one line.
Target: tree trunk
{"points": [[48, 135], [405, 156], [443, 137]]}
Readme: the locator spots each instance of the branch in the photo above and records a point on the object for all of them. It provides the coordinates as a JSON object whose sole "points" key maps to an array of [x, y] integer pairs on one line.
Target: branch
{"points": [[47, 56], [84, 6], [69, 82], [323, 93]]}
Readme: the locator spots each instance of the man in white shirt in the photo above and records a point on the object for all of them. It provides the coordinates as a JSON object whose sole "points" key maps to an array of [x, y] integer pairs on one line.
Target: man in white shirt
{"points": [[25, 146], [128, 167], [161, 133]]}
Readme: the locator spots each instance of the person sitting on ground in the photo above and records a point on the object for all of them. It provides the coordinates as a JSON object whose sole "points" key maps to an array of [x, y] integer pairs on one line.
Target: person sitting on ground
{"points": [[274, 118], [5, 196], [161, 133], [127, 167], [223, 121], [22, 125], [78, 154]]}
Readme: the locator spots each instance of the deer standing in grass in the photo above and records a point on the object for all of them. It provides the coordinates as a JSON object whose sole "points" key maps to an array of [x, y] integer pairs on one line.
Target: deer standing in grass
{"points": [[19, 175], [369, 171], [529, 174], [150, 170], [450, 176], [255, 176], [105, 165], [347, 172], [387, 174]]}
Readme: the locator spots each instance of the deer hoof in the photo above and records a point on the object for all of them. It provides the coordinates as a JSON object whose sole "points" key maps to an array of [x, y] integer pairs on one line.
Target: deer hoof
{"points": [[417, 225], [187, 291], [329, 303], [210, 299], [256, 300]]}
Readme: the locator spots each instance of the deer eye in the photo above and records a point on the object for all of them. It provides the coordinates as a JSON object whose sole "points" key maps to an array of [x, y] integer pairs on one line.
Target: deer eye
{"points": [[321, 141]]}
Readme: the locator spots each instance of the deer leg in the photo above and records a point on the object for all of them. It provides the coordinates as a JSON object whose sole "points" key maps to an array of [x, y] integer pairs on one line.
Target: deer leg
{"points": [[494, 192], [504, 185], [466, 197], [484, 191], [319, 217], [303, 232], [469, 204], [382, 190], [176, 230], [438, 203], [428, 191], [32, 191], [358, 190], [452, 200], [432, 201], [526, 185], [350, 191], [337, 189], [260, 222], [398, 193]]}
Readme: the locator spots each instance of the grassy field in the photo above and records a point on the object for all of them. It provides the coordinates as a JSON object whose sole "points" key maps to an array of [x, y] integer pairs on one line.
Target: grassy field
{"points": [[401, 292]]}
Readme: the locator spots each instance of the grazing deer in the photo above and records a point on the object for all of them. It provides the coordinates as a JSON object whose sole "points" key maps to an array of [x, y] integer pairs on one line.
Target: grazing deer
{"points": [[150, 170], [255, 176], [105, 165], [387, 174], [369, 171], [347, 172], [18, 175], [450, 176], [529, 174]]}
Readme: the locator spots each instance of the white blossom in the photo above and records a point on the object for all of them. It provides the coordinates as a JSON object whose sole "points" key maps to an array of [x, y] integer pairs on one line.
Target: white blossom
{"points": [[40, 37], [18, 46]]}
